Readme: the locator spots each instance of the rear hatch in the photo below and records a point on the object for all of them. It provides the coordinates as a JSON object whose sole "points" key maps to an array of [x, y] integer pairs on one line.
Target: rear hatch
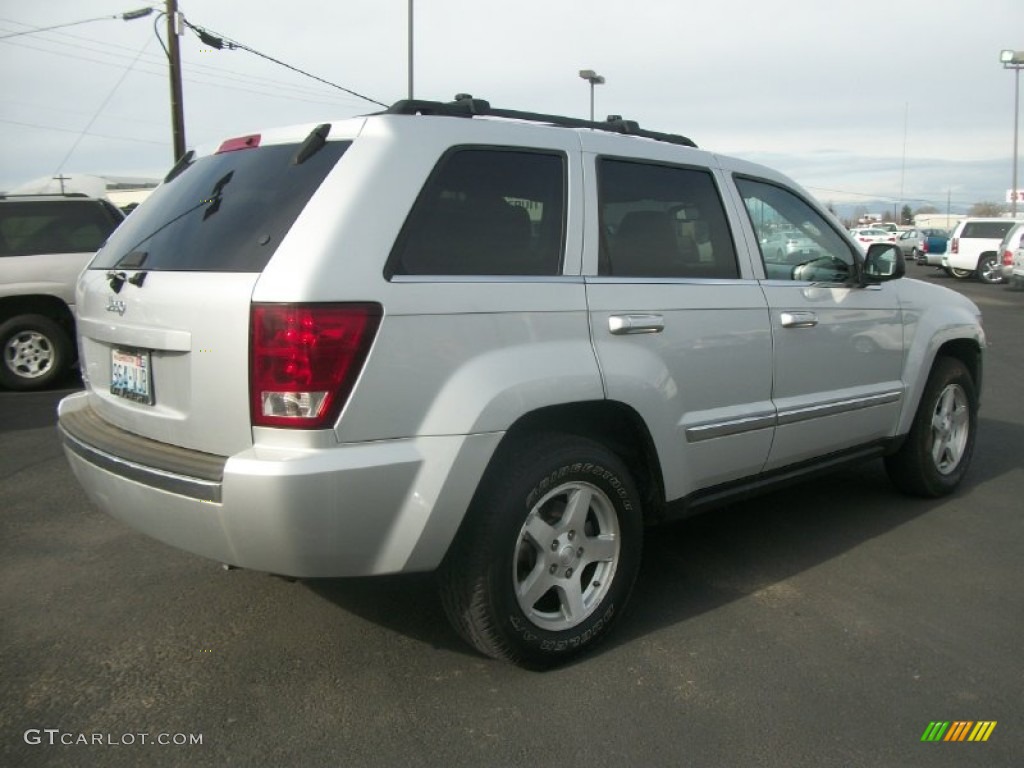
{"points": [[164, 307]]}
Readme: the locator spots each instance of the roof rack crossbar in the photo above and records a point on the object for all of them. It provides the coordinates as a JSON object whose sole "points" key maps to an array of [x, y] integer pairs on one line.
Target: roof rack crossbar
{"points": [[466, 106]]}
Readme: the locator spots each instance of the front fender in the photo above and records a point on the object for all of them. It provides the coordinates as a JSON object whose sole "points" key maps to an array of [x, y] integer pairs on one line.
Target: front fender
{"points": [[935, 317]]}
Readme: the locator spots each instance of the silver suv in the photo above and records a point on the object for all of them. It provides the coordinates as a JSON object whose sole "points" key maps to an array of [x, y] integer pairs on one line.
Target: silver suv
{"points": [[497, 345], [45, 242]]}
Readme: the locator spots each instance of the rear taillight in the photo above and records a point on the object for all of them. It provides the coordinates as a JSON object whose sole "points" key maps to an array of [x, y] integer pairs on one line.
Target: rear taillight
{"points": [[304, 360], [954, 245], [924, 246], [1008, 258]]}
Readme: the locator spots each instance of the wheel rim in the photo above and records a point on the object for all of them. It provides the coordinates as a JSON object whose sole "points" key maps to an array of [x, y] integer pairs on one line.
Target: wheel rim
{"points": [[950, 428], [29, 355], [960, 273], [566, 555], [989, 271]]}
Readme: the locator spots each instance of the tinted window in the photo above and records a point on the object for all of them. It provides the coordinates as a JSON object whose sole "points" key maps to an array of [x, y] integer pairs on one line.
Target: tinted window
{"points": [[486, 211], [989, 229], [54, 226], [662, 221], [797, 243], [225, 213]]}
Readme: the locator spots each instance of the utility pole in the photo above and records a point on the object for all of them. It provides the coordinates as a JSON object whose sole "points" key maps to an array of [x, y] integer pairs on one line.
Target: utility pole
{"points": [[177, 100]]}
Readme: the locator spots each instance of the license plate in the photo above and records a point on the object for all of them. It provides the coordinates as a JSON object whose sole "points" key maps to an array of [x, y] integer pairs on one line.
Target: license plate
{"points": [[130, 376]]}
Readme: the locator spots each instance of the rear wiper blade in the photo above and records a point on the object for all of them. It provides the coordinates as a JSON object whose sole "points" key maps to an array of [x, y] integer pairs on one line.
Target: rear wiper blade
{"points": [[316, 141], [180, 166]]}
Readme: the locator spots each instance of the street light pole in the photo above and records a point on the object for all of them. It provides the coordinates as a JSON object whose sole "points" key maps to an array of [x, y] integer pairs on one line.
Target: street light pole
{"points": [[594, 79], [1014, 60]]}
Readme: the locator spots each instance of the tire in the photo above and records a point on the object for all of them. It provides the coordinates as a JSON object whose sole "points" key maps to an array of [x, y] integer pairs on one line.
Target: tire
{"points": [[916, 256], [546, 559], [937, 452], [34, 352], [959, 274], [989, 269]]}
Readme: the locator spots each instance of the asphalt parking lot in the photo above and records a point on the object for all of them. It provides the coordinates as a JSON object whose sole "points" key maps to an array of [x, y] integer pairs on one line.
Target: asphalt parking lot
{"points": [[825, 625]]}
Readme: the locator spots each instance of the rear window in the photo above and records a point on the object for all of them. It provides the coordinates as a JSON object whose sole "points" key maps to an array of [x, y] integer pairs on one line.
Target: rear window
{"points": [[987, 229], [54, 226], [225, 213]]}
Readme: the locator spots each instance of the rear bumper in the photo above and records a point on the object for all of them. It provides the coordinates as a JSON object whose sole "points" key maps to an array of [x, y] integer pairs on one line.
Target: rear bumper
{"points": [[351, 510]]}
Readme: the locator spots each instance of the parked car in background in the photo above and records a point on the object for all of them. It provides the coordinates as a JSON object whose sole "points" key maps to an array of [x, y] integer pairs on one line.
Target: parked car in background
{"points": [[45, 242], [925, 246], [1010, 255], [868, 235], [888, 226], [974, 249], [788, 247]]}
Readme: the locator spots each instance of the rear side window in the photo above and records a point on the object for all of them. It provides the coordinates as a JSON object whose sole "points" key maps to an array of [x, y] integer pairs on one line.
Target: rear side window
{"points": [[662, 221], [227, 212], [486, 211], [54, 226], [986, 229]]}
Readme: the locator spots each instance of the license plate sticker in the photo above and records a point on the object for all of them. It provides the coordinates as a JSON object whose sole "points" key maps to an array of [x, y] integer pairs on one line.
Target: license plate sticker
{"points": [[130, 376]]}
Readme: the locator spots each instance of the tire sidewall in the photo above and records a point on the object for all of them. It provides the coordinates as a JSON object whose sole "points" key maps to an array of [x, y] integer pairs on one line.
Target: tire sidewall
{"points": [[534, 645], [948, 372]]}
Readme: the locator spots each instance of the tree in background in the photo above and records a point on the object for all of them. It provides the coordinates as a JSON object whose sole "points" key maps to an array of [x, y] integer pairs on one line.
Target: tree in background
{"points": [[906, 215], [987, 209]]}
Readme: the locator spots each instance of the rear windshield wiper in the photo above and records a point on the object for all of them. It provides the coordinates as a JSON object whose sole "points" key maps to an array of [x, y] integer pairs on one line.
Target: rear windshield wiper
{"points": [[316, 141]]}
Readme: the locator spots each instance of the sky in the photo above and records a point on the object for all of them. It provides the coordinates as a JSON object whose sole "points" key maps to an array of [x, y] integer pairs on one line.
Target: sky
{"points": [[892, 100]]}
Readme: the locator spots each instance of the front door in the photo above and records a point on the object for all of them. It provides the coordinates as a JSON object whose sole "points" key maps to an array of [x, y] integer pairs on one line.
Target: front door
{"points": [[838, 347]]}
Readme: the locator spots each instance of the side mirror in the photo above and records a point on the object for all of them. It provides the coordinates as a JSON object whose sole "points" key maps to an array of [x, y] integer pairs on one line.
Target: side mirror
{"points": [[884, 261]]}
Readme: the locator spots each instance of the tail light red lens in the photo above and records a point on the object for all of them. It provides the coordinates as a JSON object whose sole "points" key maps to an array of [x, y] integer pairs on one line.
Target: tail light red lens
{"points": [[304, 360], [954, 245], [1008, 258], [924, 246]]}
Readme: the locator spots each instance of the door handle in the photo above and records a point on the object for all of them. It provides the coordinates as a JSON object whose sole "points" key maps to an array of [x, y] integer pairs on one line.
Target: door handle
{"points": [[620, 325], [799, 319]]}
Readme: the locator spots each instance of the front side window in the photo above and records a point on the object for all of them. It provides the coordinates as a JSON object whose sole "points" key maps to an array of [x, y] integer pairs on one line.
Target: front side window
{"points": [[662, 221], [796, 242], [486, 211]]}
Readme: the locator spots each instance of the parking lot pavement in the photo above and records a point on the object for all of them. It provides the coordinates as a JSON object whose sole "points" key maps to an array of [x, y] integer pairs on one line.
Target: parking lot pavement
{"points": [[828, 624]]}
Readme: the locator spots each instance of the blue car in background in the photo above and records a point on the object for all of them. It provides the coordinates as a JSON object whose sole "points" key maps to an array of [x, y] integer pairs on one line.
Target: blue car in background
{"points": [[925, 246]]}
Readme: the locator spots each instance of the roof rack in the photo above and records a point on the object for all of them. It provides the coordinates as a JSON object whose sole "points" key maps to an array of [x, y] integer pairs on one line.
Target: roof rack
{"points": [[465, 105]]}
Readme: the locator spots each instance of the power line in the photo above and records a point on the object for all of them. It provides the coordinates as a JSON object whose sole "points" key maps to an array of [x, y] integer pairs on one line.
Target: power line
{"points": [[219, 41], [75, 130], [126, 16], [100, 109], [195, 71]]}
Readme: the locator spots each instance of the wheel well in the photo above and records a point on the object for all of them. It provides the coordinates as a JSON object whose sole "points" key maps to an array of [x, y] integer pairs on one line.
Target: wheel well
{"points": [[49, 306], [967, 352], [614, 425]]}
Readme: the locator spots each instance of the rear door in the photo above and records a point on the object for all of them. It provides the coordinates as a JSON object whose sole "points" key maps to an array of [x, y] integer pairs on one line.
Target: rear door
{"points": [[164, 307], [680, 328]]}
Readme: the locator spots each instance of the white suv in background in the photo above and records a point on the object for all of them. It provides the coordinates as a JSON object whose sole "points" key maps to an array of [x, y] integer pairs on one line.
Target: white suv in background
{"points": [[974, 249], [499, 345], [45, 242]]}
